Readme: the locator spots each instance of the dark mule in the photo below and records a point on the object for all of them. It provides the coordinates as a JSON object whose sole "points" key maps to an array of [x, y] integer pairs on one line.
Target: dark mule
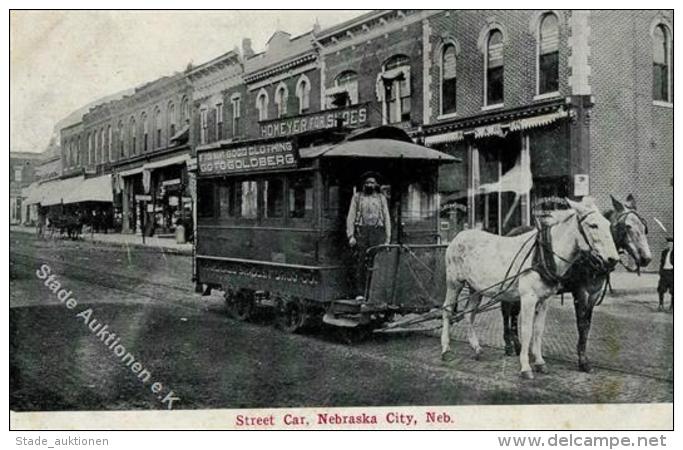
{"points": [[629, 232]]}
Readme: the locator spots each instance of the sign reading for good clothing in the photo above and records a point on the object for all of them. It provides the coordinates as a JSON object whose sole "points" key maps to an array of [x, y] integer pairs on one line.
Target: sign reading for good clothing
{"points": [[352, 116], [249, 158]]}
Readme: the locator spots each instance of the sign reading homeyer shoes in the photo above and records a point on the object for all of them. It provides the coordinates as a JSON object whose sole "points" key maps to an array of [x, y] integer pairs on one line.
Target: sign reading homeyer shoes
{"points": [[353, 116], [248, 158]]}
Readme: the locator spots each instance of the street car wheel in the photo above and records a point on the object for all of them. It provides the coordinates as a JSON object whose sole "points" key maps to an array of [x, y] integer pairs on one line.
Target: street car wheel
{"points": [[240, 305], [292, 316]]}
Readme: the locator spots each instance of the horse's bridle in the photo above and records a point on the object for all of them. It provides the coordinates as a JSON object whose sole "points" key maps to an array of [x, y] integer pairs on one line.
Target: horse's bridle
{"points": [[592, 257], [619, 232]]}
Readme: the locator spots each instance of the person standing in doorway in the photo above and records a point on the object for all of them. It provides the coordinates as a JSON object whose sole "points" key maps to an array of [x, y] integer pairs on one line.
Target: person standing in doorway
{"points": [[368, 224], [666, 274]]}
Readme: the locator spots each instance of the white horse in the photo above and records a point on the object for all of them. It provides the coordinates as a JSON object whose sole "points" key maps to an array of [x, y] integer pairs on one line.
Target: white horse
{"points": [[482, 260]]}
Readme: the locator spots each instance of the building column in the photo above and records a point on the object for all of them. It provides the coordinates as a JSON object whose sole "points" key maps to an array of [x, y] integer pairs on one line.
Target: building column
{"points": [[125, 207], [579, 137]]}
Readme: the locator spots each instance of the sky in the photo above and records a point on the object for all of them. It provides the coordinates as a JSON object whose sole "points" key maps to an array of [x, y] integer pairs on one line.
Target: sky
{"points": [[63, 60]]}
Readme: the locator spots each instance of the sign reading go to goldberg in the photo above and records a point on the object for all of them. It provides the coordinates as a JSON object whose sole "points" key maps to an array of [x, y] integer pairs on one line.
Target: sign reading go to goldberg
{"points": [[248, 158]]}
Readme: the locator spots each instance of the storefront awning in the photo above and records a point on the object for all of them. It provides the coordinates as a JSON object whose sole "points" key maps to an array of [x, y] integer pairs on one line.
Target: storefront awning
{"points": [[181, 159], [56, 192], [377, 148], [497, 129], [129, 172], [98, 189], [32, 194]]}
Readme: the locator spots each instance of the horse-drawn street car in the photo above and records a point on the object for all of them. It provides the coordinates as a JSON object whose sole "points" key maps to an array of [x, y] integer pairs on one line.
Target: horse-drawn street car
{"points": [[271, 227]]}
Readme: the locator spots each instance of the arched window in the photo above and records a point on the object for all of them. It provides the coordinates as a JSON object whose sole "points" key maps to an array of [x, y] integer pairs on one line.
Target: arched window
{"points": [[90, 148], [345, 90], [78, 151], [281, 96], [110, 143], [661, 64], [203, 125], [133, 134], [102, 147], [159, 123], [262, 105], [184, 111], [171, 120], [395, 89], [121, 145], [448, 79], [145, 132], [303, 93], [494, 68], [548, 54]]}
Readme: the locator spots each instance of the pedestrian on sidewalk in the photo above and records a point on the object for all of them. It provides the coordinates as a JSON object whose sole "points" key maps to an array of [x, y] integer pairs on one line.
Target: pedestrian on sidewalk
{"points": [[666, 274]]}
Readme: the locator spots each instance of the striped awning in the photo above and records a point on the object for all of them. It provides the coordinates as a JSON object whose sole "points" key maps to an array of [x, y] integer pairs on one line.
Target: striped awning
{"points": [[497, 129]]}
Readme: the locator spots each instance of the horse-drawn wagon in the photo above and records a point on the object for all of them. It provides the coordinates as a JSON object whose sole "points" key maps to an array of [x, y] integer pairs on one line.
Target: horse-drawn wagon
{"points": [[271, 227]]}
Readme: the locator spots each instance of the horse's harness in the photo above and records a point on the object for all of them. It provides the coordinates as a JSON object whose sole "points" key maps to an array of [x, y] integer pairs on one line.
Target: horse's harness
{"points": [[544, 262]]}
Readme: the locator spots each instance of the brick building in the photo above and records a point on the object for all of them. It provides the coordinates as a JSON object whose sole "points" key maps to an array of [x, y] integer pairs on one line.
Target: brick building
{"points": [[139, 147], [564, 98], [575, 102], [376, 59], [22, 166]]}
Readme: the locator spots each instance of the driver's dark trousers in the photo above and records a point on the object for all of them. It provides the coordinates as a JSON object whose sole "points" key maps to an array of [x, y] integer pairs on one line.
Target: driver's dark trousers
{"points": [[366, 237]]}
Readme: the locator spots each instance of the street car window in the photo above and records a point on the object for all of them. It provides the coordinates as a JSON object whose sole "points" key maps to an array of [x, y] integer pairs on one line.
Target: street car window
{"points": [[418, 202], [300, 195], [206, 199], [273, 198], [246, 199]]}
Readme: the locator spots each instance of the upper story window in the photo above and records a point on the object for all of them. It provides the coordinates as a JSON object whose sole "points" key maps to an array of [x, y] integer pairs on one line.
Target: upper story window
{"points": [[262, 105], [548, 54], [394, 89], [121, 141], [67, 153], [109, 143], [133, 136], [145, 132], [303, 93], [236, 101], [78, 151], [18, 174], [281, 95], [203, 125], [99, 144], [171, 120], [184, 111], [219, 121], [661, 64], [90, 148], [493, 86], [159, 123], [448, 79], [345, 90]]}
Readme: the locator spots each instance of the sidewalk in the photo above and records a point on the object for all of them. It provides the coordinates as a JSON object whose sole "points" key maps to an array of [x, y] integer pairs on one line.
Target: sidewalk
{"points": [[167, 245]]}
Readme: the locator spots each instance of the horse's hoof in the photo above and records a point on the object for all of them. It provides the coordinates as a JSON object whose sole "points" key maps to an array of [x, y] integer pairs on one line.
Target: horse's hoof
{"points": [[477, 354], [527, 375], [541, 368], [660, 308], [509, 351], [585, 367], [447, 356]]}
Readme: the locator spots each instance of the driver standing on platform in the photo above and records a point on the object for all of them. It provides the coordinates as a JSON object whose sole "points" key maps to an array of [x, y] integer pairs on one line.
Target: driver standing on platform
{"points": [[368, 224]]}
